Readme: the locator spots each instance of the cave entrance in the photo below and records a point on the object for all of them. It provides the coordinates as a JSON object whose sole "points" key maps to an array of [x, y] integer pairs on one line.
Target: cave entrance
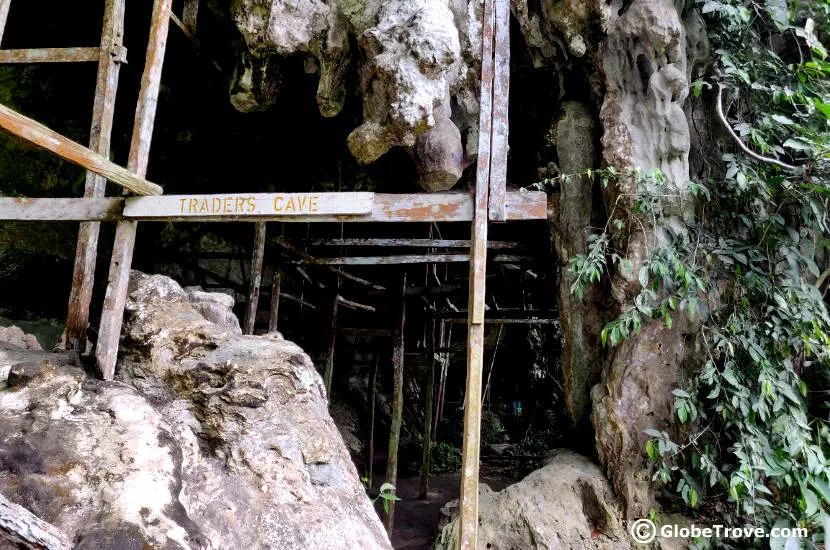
{"points": [[408, 269]]}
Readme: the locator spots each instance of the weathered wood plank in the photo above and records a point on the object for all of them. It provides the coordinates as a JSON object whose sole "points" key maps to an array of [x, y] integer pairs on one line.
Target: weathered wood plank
{"points": [[468, 504], [60, 210], [23, 529], [406, 259], [394, 207], [257, 258], [412, 243], [354, 305], [260, 205], [40, 135], [463, 321], [50, 55], [398, 357], [501, 99], [103, 111], [122, 252], [273, 317]]}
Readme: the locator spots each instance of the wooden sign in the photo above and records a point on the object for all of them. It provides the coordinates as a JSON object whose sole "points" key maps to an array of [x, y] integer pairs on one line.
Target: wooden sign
{"points": [[233, 205]]}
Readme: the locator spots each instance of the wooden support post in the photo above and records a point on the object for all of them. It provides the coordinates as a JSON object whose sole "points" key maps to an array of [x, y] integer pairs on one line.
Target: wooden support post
{"points": [[501, 96], [256, 277], [38, 134], [273, 319], [370, 451], [427, 438], [468, 520], [329, 374], [103, 111], [443, 343], [4, 15], [397, 406], [122, 252]]}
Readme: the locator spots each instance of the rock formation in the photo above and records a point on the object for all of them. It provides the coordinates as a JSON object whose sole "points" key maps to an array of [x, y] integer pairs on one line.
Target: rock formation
{"points": [[210, 439], [567, 504]]}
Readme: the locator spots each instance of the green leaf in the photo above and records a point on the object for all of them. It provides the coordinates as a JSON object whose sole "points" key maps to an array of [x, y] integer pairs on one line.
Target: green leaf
{"points": [[810, 501], [643, 276], [821, 487]]}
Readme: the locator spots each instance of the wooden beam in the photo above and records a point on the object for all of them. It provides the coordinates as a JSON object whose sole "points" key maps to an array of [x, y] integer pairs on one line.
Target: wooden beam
{"points": [[392, 207], [122, 252], [50, 55], [292, 298], [306, 256], [501, 99], [521, 207], [19, 528], [426, 440], [370, 451], [329, 372], [4, 15], [100, 134], [397, 406], [38, 134], [406, 259], [60, 210], [273, 318], [509, 313], [468, 504], [364, 331], [414, 243], [354, 305], [463, 321], [256, 277]]}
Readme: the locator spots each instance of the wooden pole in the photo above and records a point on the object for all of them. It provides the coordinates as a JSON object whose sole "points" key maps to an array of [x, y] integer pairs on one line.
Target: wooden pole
{"points": [[468, 520], [443, 343], [327, 377], [190, 14], [501, 95], [50, 55], [273, 319], [4, 15], [122, 252], [397, 406], [256, 276], [38, 134], [407, 259], [103, 111], [427, 438], [19, 528], [370, 452]]}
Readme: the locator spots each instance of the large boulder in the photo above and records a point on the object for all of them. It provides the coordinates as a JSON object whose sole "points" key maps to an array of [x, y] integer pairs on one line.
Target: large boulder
{"points": [[566, 505], [210, 439], [16, 337]]}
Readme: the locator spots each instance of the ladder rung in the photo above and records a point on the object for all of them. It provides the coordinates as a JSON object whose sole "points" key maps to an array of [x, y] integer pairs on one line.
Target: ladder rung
{"points": [[50, 55]]}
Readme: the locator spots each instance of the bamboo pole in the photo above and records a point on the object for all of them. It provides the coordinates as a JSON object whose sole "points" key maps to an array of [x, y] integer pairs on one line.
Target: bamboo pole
{"points": [[427, 438], [397, 406], [256, 277], [370, 452], [468, 519], [122, 252], [273, 319], [103, 112], [38, 134]]}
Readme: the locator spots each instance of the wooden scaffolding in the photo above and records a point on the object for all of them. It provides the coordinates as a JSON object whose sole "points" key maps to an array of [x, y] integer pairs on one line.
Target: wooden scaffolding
{"points": [[491, 202]]}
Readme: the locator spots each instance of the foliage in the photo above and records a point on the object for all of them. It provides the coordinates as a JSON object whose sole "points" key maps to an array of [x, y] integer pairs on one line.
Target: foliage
{"points": [[386, 493], [445, 458], [491, 428], [754, 436]]}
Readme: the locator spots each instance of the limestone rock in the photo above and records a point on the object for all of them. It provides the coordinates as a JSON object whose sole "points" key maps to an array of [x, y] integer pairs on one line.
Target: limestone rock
{"points": [[566, 505], [15, 336], [216, 307], [208, 440]]}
